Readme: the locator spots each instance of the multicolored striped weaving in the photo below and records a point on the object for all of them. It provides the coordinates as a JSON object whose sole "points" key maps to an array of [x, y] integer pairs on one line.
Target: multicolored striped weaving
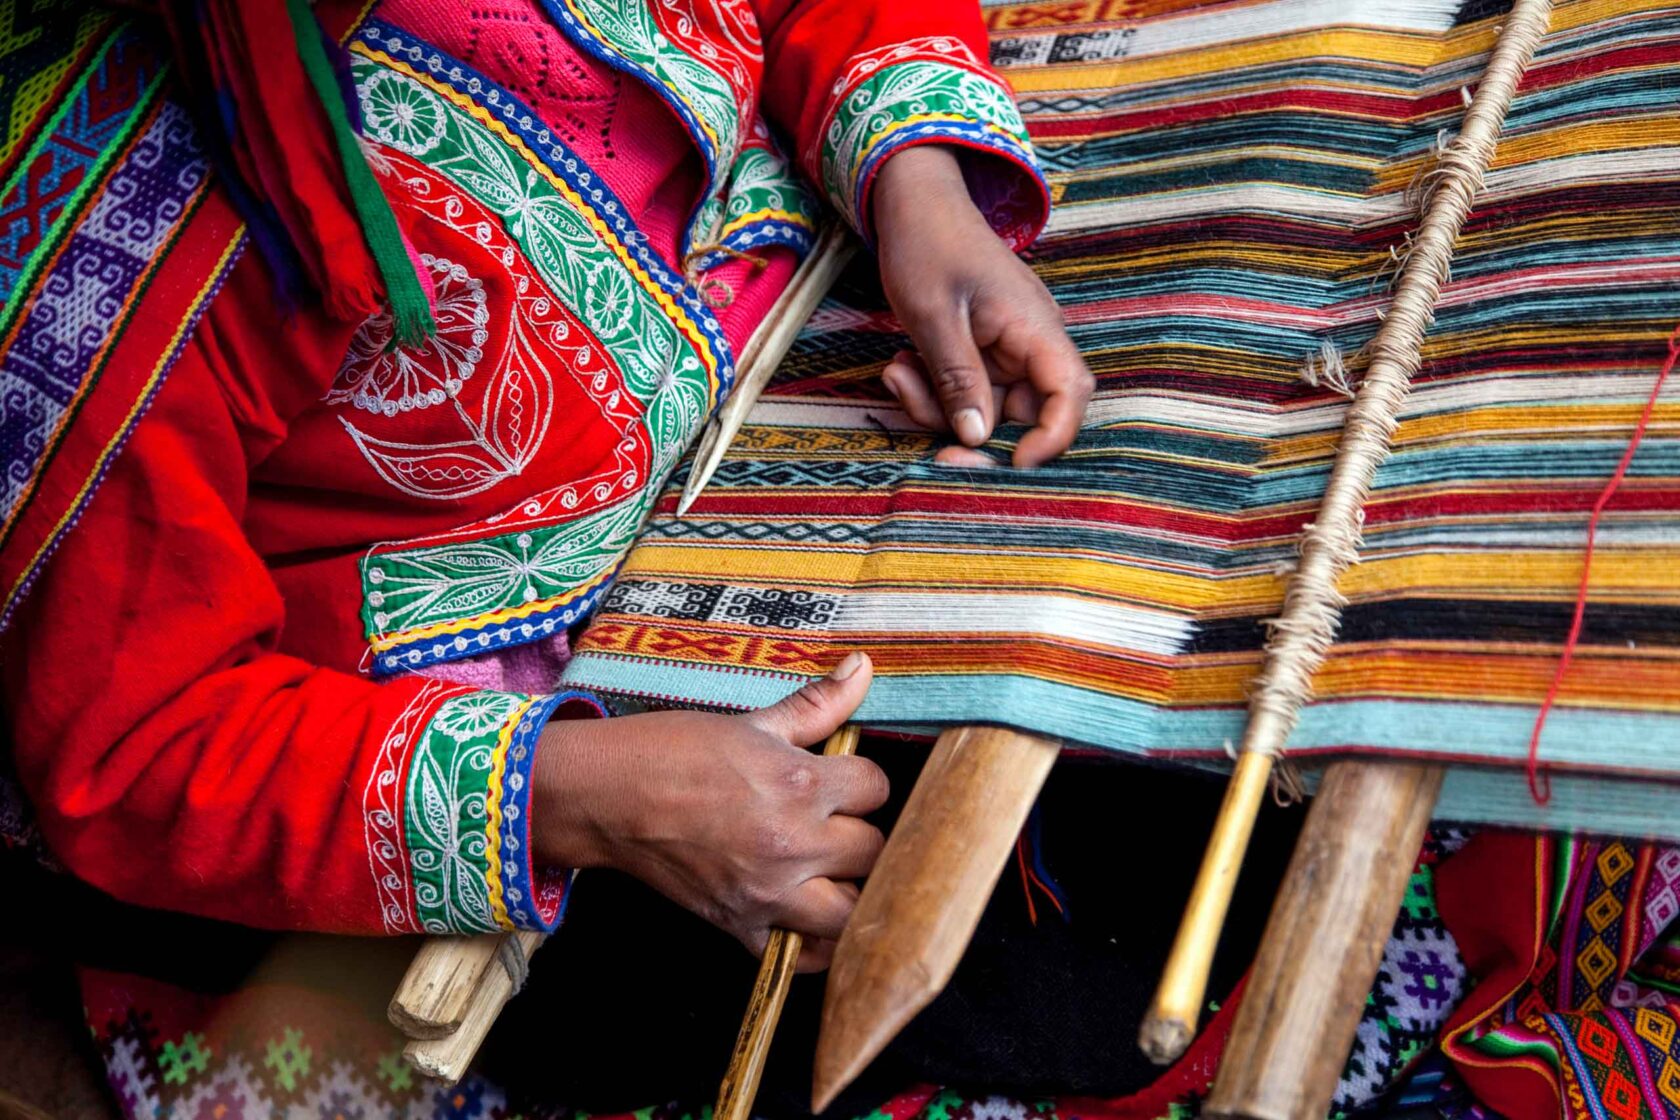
{"points": [[1234, 184]]}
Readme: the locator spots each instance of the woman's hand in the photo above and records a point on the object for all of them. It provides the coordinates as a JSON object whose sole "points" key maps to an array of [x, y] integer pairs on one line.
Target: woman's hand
{"points": [[727, 815], [989, 338]]}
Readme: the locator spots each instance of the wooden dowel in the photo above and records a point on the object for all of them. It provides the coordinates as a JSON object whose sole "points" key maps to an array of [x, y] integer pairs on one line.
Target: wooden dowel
{"points": [[1322, 947], [433, 996], [764, 352], [1171, 1021], [447, 1058], [922, 902], [769, 994]]}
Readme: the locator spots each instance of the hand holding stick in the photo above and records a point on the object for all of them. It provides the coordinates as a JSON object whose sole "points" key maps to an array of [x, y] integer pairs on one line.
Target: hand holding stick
{"points": [[769, 993]]}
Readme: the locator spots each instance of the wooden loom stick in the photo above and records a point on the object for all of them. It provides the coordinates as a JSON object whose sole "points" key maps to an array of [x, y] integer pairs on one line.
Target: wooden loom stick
{"points": [[769, 993], [922, 902], [1301, 636], [448, 1057], [764, 351], [432, 999], [1290, 1039]]}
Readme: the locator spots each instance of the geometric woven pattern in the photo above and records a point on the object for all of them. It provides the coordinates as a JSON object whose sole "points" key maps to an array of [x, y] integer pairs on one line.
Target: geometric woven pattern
{"points": [[1234, 187]]}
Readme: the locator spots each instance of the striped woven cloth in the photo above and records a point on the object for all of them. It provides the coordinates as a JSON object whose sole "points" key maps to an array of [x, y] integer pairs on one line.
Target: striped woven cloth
{"points": [[1235, 184]]}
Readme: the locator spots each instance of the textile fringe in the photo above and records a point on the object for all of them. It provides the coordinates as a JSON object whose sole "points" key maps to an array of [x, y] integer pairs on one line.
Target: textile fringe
{"points": [[1328, 369], [1301, 635]]}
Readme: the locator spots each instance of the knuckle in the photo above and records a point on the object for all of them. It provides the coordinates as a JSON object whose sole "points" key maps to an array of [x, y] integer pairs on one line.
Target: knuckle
{"points": [[948, 379], [799, 778], [773, 839], [808, 700]]}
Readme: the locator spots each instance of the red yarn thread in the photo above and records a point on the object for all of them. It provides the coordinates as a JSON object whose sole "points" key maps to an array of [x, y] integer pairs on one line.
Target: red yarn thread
{"points": [[1539, 784], [1026, 883]]}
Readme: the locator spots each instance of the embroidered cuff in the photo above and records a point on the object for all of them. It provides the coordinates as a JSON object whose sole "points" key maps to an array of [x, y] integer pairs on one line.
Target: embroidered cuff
{"points": [[907, 95], [765, 204], [466, 814]]}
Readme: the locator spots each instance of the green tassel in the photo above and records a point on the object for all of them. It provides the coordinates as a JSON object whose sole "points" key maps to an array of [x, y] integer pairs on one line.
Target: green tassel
{"points": [[411, 313]]}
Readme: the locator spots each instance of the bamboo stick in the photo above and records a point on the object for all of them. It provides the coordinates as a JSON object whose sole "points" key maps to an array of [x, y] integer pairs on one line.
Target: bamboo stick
{"points": [[1324, 942], [922, 902], [1302, 635], [764, 352], [769, 994], [447, 1058]]}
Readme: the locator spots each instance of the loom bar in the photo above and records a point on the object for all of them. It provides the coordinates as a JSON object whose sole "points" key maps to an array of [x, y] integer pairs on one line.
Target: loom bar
{"points": [[447, 1058], [434, 994], [1170, 1024], [763, 354], [1324, 942], [1302, 634]]}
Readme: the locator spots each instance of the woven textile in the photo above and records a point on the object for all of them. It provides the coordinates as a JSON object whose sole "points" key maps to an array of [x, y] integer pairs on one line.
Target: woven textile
{"points": [[1235, 186], [1583, 1020]]}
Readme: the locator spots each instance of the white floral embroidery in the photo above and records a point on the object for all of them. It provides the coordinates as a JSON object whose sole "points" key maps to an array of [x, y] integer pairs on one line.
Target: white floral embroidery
{"points": [[475, 715], [383, 379], [401, 114], [382, 829]]}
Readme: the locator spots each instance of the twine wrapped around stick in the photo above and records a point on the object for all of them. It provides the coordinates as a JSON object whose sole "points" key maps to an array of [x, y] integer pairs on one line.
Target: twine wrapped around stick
{"points": [[1301, 635]]}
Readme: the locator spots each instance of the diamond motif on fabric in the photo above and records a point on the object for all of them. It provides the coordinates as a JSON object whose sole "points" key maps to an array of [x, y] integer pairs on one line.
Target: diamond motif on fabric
{"points": [[1596, 1041], [289, 1059], [179, 1063], [1668, 1081], [1614, 862], [1621, 1096], [1604, 909], [1596, 963], [1654, 1027]]}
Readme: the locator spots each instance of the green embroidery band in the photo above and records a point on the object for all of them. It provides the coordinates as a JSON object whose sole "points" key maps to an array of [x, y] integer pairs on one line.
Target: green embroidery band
{"points": [[891, 105], [411, 312], [456, 597], [452, 778]]}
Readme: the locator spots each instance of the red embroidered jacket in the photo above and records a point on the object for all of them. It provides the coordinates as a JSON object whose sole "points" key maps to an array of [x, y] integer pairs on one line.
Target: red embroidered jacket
{"points": [[218, 689]]}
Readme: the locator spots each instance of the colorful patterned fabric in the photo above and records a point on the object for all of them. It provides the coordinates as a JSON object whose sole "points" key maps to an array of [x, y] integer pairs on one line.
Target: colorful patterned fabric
{"points": [[1419, 984], [1234, 189], [307, 1036], [316, 498], [1573, 1025], [100, 176]]}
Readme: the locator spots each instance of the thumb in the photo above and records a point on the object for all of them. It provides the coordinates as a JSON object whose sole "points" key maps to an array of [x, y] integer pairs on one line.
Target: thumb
{"points": [[817, 710], [958, 373]]}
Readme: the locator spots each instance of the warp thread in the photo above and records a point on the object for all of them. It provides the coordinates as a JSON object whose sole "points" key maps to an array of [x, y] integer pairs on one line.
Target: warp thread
{"points": [[1328, 369], [717, 293], [1539, 782], [1300, 637], [1033, 871]]}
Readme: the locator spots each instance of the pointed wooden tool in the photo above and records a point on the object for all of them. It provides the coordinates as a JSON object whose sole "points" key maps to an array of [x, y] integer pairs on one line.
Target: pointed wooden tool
{"points": [[923, 900], [1322, 947], [764, 351], [764, 1007]]}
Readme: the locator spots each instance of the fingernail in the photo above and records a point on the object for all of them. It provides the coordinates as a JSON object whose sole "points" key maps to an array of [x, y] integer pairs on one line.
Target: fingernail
{"points": [[848, 667], [889, 378], [970, 426]]}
